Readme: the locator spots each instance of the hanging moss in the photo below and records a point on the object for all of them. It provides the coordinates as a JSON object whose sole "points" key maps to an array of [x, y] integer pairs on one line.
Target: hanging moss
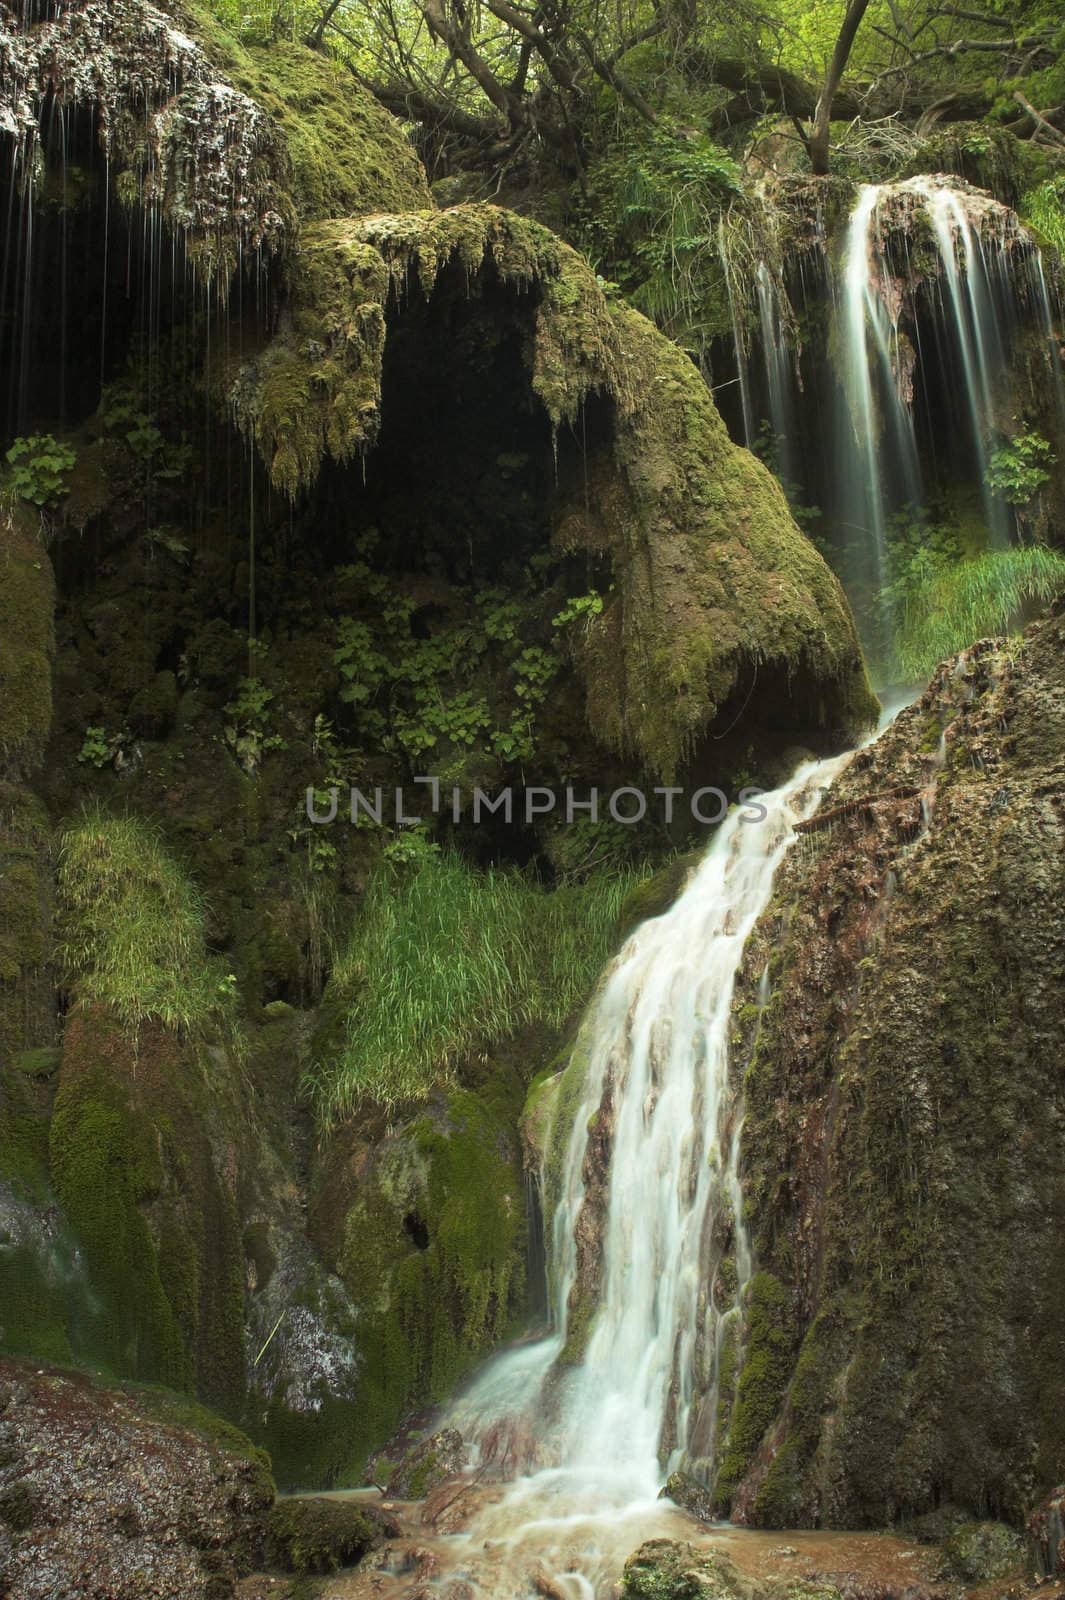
{"points": [[713, 582]]}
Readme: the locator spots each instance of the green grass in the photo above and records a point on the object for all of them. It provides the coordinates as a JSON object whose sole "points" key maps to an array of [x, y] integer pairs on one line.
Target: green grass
{"points": [[131, 924], [450, 958], [971, 600], [1044, 209]]}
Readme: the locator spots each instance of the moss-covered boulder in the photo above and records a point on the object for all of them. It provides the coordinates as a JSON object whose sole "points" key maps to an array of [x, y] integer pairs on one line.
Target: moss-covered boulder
{"points": [[136, 1170], [425, 1226], [314, 1535], [713, 593], [233, 148], [981, 1552], [904, 1114], [663, 1569]]}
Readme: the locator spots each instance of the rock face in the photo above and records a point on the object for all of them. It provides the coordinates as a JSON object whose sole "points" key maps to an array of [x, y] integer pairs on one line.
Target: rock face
{"points": [[102, 1495], [904, 1119]]}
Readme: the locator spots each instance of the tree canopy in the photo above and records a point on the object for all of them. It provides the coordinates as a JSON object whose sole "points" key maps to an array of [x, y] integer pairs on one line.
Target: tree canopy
{"points": [[494, 83]]}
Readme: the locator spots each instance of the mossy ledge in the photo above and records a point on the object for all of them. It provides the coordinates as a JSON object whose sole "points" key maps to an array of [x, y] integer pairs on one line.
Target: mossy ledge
{"points": [[716, 594]]}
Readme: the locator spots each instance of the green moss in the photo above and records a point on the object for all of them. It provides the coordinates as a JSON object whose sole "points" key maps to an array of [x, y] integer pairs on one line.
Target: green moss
{"points": [[767, 1352], [663, 1569], [982, 1552], [657, 894], [317, 1536], [347, 154], [33, 1307], [132, 1165], [105, 1166], [433, 1255]]}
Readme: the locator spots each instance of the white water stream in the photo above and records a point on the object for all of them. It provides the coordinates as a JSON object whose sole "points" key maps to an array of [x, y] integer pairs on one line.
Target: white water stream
{"points": [[605, 1432]]}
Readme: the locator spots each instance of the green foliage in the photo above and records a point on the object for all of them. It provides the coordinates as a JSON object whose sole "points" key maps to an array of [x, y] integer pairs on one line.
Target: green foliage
{"points": [[446, 958], [247, 720], [652, 223], [1019, 469], [97, 748], [474, 683], [131, 924], [39, 464], [943, 603], [1043, 208], [579, 608]]}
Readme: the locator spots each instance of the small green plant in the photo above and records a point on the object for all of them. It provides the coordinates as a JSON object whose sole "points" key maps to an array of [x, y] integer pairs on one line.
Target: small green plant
{"points": [[579, 608], [98, 747], [1019, 469], [247, 719], [39, 465]]}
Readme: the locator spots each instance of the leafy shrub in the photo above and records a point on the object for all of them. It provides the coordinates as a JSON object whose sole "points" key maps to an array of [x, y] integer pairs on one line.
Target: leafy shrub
{"points": [[39, 464], [444, 958], [1019, 469], [131, 925]]}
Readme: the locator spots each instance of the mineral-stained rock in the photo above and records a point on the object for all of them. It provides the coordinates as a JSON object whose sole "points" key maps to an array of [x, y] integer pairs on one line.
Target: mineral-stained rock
{"points": [[110, 1494], [443, 1455], [905, 1113]]}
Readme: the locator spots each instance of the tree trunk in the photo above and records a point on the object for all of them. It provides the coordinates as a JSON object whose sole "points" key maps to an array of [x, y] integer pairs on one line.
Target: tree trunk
{"points": [[818, 141]]}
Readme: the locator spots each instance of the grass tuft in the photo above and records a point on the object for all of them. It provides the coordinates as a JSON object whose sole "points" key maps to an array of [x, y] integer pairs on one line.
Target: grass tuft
{"points": [[971, 600], [131, 924], [449, 958]]}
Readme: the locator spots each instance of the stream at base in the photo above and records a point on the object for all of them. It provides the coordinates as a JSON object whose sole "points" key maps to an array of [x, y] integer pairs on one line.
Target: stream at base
{"points": [[587, 1444]]}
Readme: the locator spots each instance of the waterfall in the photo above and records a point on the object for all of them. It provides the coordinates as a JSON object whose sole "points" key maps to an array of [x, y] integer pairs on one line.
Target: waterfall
{"points": [[973, 323], [659, 1107], [778, 371], [877, 433]]}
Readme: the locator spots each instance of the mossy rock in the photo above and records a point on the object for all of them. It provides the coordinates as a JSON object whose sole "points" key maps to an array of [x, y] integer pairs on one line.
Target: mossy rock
{"points": [[655, 896], [981, 1552], [316, 1535], [663, 1569], [431, 1248], [767, 1353], [430, 1463], [714, 589], [132, 1164], [690, 1495]]}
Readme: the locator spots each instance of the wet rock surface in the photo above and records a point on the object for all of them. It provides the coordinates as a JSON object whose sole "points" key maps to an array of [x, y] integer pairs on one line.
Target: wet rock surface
{"points": [[904, 1116], [106, 1495]]}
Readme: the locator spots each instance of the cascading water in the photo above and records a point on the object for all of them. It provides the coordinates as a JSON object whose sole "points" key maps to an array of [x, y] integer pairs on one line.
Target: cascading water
{"points": [[777, 370], [877, 432], [659, 1106], [974, 325]]}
